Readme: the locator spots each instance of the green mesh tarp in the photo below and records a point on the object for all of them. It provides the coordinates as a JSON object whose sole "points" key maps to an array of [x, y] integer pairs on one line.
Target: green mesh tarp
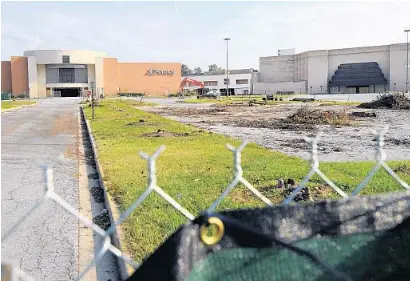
{"points": [[359, 238]]}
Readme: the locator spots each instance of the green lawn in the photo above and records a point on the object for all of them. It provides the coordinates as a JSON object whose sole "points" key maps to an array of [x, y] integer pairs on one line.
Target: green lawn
{"points": [[13, 104], [194, 169]]}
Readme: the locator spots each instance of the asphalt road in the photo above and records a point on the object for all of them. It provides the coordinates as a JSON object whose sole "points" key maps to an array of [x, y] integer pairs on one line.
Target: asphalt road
{"points": [[46, 244]]}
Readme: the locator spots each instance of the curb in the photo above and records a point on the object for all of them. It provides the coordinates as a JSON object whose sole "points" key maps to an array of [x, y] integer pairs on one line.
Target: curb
{"points": [[117, 236]]}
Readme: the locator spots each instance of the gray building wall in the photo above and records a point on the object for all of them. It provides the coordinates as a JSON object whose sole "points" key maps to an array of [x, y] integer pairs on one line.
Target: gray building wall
{"points": [[272, 88], [379, 54], [277, 69], [316, 68], [318, 74], [51, 74], [80, 73], [397, 67]]}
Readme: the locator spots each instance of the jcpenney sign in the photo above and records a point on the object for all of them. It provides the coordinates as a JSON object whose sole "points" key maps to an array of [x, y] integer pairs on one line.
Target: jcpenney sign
{"points": [[152, 72]]}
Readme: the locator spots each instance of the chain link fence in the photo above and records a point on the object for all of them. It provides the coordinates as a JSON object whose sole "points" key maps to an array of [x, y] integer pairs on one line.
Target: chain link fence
{"points": [[12, 271]]}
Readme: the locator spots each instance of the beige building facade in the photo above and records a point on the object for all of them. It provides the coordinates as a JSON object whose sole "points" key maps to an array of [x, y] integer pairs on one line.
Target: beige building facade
{"points": [[335, 71], [63, 73]]}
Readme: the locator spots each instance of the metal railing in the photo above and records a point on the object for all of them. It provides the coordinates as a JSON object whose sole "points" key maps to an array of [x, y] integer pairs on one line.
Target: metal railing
{"points": [[152, 186]]}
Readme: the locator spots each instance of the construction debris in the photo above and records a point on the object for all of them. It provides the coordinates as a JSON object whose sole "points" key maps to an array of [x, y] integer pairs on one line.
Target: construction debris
{"points": [[303, 195], [363, 114], [255, 102], [390, 101], [303, 99], [163, 134], [280, 184], [405, 169]]}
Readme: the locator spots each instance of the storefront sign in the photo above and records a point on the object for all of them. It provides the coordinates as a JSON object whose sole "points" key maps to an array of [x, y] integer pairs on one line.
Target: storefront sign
{"points": [[152, 72]]}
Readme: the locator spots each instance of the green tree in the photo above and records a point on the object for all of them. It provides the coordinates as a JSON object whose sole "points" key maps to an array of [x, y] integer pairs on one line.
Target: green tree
{"points": [[197, 70], [213, 67], [184, 70]]}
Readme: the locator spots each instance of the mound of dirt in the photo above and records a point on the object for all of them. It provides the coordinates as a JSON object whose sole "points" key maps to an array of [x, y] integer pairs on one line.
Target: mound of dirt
{"points": [[162, 134], [390, 101], [319, 117], [309, 194]]}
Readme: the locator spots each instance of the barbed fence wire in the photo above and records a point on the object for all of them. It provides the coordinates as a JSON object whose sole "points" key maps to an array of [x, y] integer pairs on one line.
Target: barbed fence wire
{"points": [[14, 269]]}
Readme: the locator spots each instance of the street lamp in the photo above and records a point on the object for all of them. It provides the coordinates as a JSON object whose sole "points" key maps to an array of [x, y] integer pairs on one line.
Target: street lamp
{"points": [[251, 89], [407, 59], [227, 75]]}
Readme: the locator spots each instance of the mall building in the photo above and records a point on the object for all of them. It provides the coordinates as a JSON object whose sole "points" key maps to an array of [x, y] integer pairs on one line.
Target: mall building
{"points": [[373, 69], [48, 73]]}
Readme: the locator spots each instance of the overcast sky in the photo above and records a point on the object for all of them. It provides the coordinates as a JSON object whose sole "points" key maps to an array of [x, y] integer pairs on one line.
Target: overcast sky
{"points": [[193, 32]]}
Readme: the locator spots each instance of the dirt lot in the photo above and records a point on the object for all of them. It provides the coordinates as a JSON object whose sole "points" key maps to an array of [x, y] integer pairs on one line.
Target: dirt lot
{"points": [[344, 138]]}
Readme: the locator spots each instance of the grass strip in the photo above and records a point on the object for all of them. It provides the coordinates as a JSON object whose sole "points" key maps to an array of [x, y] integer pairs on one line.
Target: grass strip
{"points": [[5, 105]]}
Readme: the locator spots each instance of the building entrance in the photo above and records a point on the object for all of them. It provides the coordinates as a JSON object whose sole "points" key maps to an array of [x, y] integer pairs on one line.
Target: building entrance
{"points": [[66, 92]]}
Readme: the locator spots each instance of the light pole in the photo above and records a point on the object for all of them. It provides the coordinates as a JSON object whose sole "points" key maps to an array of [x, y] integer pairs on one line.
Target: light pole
{"points": [[251, 89], [407, 59], [227, 75]]}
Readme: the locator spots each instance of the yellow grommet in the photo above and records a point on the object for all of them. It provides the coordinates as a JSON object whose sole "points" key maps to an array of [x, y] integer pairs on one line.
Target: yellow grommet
{"points": [[216, 236]]}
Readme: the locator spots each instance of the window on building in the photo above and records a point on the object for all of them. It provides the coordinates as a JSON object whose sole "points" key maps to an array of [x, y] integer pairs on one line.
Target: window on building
{"points": [[210, 83], [66, 59], [241, 81], [66, 75]]}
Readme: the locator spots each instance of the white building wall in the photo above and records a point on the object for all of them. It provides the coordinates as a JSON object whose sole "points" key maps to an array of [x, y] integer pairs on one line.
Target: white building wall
{"points": [[99, 72], [41, 80], [38, 59], [32, 76], [56, 56], [91, 72], [239, 88]]}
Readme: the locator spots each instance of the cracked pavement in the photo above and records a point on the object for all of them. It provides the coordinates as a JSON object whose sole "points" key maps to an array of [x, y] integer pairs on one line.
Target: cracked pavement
{"points": [[45, 245]]}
